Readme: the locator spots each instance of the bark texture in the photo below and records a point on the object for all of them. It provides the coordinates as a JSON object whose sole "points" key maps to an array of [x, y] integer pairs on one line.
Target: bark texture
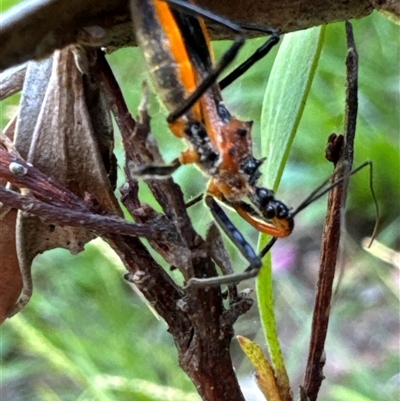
{"points": [[35, 31]]}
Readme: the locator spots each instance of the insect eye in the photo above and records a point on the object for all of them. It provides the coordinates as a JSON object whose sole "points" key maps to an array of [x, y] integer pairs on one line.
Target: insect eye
{"points": [[264, 196], [282, 211], [269, 212]]}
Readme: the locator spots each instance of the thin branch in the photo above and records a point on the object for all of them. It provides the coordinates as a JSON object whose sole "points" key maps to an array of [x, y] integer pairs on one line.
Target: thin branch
{"points": [[57, 205], [100, 224], [155, 284], [331, 236]]}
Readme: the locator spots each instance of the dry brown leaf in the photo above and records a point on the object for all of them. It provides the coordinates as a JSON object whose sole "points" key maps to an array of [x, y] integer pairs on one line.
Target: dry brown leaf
{"points": [[55, 133], [10, 275]]}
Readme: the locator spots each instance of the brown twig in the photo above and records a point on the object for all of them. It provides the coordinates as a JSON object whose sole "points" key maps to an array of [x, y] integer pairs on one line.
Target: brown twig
{"points": [[34, 32], [197, 319], [57, 205], [201, 326], [331, 236], [99, 224]]}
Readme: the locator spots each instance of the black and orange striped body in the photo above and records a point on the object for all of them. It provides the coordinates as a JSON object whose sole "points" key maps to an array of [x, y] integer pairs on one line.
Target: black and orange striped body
{"points": [[178, 54]]}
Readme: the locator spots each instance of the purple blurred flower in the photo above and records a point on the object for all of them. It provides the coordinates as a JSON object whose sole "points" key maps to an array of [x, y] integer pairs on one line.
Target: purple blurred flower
{"points": [[284, 255]]}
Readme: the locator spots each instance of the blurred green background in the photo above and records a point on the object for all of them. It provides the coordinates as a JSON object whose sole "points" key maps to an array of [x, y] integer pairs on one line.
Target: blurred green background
{"points": [[86, 335]]}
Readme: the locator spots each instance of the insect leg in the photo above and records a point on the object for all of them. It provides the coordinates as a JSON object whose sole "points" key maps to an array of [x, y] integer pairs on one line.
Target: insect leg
{"points": [[226, 59], [260, 53], [153, 171], [210, 79], [195, 200], [244, 247]]}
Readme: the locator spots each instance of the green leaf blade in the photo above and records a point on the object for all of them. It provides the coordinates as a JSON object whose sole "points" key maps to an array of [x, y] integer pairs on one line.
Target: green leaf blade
{"points": [[283, 105], [285, 98]]}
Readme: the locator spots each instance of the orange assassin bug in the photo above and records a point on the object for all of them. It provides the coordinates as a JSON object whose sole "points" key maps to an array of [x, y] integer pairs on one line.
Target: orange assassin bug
{"points": [[175, 43]]}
